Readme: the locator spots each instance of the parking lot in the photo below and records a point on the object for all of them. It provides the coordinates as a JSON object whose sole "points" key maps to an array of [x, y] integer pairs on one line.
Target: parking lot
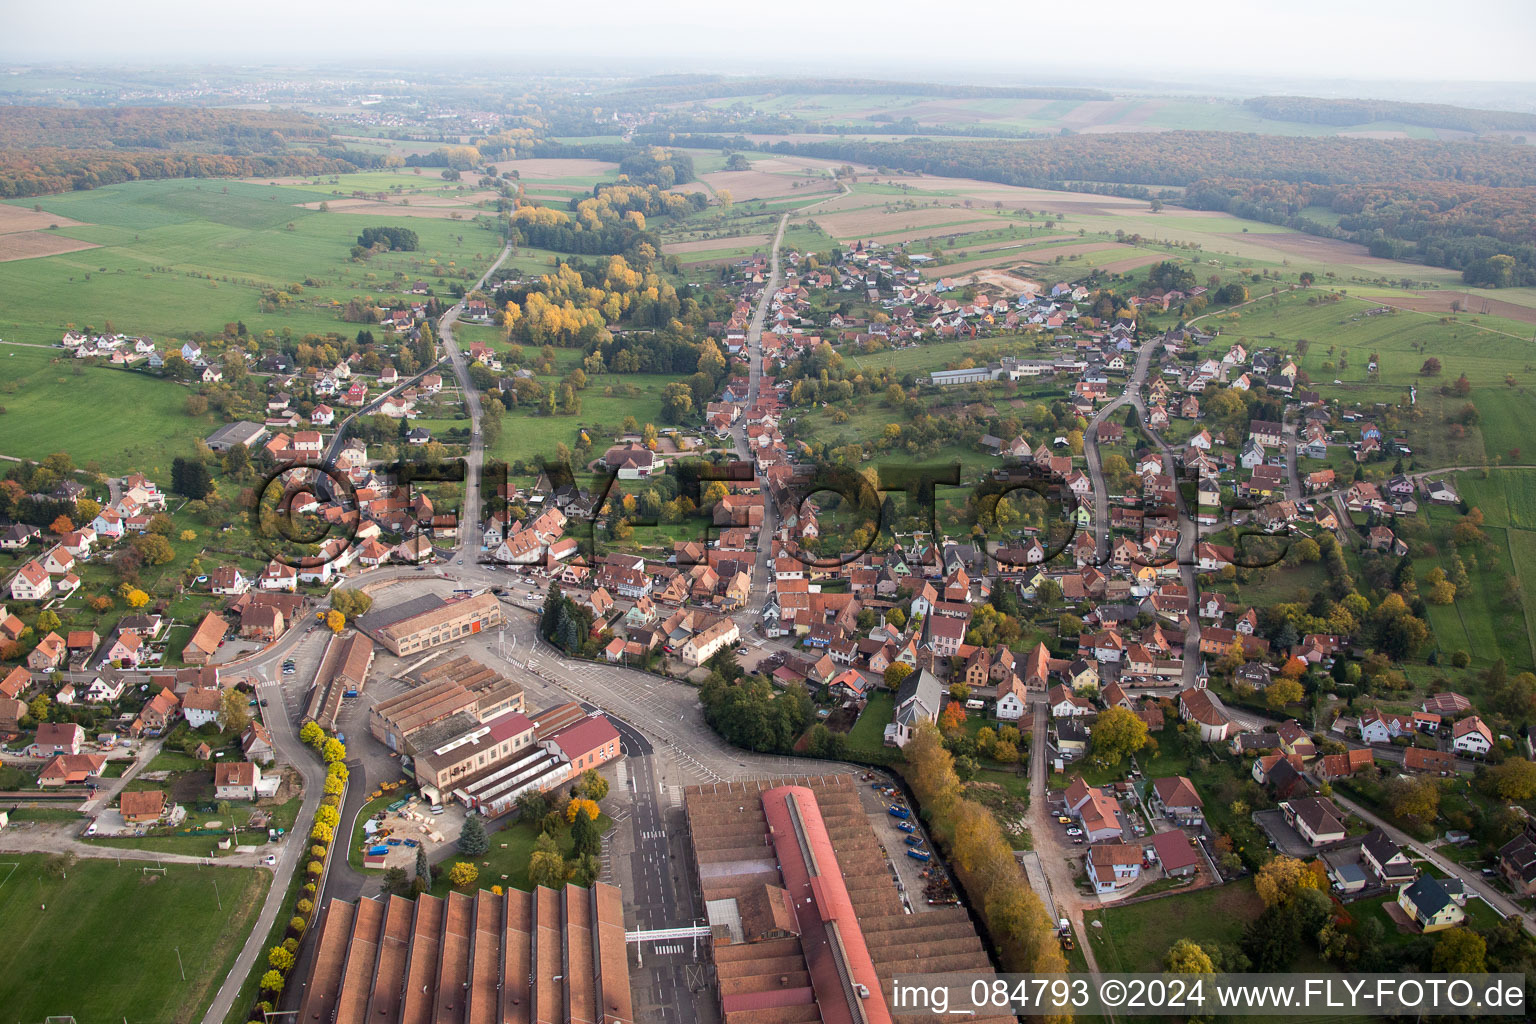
{"points": [[909, 872]]}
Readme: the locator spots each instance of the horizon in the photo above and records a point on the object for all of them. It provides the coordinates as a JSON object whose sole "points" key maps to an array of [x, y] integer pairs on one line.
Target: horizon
{"points": [[1205, 45]]}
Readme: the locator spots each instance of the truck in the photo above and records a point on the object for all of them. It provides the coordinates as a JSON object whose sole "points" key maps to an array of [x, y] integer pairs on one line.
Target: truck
{"points": [[898, 811], [922, 855]]}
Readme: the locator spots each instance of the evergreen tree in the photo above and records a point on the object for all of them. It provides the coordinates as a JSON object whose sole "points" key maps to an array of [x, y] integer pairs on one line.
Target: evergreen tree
{"points": [[549, 618], [423, 869], [472, 839], [585, 838]]}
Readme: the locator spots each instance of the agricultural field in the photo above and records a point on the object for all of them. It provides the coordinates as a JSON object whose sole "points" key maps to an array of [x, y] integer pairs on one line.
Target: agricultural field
{"points": [[877, 113], [177, 257], [528, 434], [108, 939], [1218, 240]]}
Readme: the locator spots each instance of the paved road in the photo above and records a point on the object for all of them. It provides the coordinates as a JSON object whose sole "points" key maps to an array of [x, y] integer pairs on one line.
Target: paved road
{"points": [[1189, 529], [1052, 852], [759, 593], [289, 750], [469, 510]]}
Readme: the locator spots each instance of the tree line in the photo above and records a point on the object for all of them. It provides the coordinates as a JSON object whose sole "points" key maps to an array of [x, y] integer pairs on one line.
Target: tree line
{"points": [[1177, 158], [1316, 110], [1454, 224]]}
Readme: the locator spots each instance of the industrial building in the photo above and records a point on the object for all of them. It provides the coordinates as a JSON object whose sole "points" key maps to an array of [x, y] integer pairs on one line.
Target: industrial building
{"points": [[462, 686], [806, 927], [542, 956], [343, 671], [428, 622]]}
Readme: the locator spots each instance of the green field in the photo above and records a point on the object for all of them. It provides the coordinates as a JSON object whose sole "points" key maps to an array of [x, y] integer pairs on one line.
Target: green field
{"points": [[1136, 937], [182, 256], [105, 949], [868, 733], [528, 434], [123, 419], [506, 863]]}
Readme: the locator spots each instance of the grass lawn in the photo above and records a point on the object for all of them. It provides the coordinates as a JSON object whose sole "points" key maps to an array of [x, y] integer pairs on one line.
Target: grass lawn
{"points": [[1136, 937], [868, 733], [110, 934], [506, 862]]}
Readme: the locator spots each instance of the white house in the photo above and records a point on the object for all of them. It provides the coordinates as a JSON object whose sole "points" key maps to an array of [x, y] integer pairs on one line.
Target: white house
{"points": [[236, 781], [101, 690], [1010, 702], [31, 583], [1113, 866], [1471, 737], [202, 705]]}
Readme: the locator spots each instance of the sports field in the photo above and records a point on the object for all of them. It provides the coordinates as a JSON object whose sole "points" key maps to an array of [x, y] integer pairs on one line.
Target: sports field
{"points": [[105, 949]]}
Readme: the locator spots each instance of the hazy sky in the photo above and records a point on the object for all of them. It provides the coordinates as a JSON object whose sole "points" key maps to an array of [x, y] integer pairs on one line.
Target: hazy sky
{"points": [[1479, 40]]}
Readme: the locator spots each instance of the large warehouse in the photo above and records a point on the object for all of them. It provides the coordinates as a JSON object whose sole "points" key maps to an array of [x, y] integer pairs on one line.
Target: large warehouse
{"points": [[542, 956], [429, 622], [807, 928]]}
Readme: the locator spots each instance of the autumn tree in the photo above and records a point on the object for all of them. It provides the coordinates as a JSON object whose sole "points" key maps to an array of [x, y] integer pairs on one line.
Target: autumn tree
{"points": [[1416, 799], [1514, 780], [61, 525], [545, 865], [1117, 734], [234, 715], [579, 806], [592, 785], [952, 718], [463, 874], [1281, 878], [154, 549], [1282, 692], [335, 621], [1187, 956], [895, 672], [1459, 951]]}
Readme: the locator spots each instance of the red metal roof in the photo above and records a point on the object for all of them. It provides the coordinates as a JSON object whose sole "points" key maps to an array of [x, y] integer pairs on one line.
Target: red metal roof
{"points": [[829, 929]]}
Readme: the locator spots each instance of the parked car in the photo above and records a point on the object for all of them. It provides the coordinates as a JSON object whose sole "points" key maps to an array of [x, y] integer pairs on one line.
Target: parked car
{"points": [[1074, 831]]}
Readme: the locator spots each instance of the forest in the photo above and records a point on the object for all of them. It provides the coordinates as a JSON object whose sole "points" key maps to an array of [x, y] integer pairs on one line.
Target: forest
{"points": [[678, 88], [52, 149], [1181, 158], [1461, 226], [1313, 110]]}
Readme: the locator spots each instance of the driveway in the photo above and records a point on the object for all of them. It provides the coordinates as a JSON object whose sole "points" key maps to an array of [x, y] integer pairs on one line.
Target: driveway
{"points": [[1287, 840]]}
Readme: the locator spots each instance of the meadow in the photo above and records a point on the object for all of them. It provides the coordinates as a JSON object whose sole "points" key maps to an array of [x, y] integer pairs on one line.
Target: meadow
{"points": [[122, 419], [108, 940], [182, 256]]}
